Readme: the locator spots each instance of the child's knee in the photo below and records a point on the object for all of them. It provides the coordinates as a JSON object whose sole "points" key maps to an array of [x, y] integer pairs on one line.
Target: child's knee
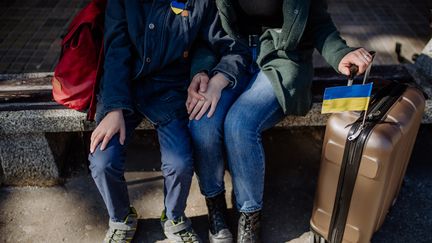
{"points": [[105, 162], [179, 168]]}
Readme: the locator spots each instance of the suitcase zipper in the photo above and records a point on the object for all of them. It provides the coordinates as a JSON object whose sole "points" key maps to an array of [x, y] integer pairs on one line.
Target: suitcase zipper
{"points": [[381, 103], [377, 103]]}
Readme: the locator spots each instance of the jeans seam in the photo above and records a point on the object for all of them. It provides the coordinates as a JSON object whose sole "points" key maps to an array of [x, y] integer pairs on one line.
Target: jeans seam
{"points": [[257, 131], [252, 210]]}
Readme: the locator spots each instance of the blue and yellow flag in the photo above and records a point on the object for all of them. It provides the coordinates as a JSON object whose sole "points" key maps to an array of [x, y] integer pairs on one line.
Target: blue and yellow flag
{"points": [[177, 7], [346, 98]]}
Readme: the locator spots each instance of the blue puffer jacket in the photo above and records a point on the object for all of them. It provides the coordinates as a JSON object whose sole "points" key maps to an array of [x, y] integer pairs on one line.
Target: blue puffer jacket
{"points": [[146, 55]]}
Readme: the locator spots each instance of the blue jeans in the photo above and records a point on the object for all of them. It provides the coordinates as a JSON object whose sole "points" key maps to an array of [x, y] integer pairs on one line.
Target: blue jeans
{"points": [[108, 166], [236, 128], [207, 136]]}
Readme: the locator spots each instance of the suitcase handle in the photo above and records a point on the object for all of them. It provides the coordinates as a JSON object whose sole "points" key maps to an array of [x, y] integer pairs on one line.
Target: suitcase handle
{"points": [[354, 70]]}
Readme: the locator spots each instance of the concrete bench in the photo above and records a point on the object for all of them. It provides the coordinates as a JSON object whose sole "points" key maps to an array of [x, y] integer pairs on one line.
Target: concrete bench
{"points": [[29, 155]]}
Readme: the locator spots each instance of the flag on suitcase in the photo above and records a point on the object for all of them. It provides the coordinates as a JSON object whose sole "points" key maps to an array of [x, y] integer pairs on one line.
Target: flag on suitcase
{"points": [[346, 98]]}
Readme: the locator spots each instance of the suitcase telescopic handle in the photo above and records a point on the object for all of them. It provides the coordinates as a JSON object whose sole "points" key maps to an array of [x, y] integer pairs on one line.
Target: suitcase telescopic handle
{"points": [[367, 72], [353, 72]]}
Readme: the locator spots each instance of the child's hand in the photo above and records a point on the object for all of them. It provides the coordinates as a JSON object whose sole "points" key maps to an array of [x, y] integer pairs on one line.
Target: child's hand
{"points": [[199, 84], [212, 96], [359, 57], [112, 123]]}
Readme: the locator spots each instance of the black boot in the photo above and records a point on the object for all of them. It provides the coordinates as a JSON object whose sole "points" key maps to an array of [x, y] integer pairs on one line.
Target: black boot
{"points": [[249, 228], [217, 208]]}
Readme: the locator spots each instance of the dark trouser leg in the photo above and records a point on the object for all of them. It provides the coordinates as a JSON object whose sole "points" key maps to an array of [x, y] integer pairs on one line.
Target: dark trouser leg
{"points": [[107, 169], [177, 165]]}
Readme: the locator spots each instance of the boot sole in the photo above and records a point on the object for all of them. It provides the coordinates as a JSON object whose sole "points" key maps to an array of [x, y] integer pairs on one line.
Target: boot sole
{"points": [[227, 239]]}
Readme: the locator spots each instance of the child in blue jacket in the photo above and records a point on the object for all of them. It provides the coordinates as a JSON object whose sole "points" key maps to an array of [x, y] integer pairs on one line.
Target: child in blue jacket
{"points": [[146, 74]]}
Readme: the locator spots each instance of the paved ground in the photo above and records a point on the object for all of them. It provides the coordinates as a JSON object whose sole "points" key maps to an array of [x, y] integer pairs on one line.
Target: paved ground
{"points": [[30, 33], [75, 213], [379, 25], [31, 30]]}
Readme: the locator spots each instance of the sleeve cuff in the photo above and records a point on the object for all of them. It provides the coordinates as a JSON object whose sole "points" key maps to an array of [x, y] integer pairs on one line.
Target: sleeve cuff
{"points": [[117, 105], [231, 79], [126, 111]]}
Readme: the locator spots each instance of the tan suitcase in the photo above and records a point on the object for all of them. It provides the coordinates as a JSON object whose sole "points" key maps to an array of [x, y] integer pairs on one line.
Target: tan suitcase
{"points": [[359, 180]]}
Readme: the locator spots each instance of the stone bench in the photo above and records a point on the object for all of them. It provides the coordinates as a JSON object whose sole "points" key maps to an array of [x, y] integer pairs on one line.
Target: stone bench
{"points": [[28, 117]]}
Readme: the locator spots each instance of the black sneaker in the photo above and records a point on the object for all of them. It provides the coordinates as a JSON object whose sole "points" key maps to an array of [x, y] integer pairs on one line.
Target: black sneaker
{"points": [[218, 232], [249, 228]]}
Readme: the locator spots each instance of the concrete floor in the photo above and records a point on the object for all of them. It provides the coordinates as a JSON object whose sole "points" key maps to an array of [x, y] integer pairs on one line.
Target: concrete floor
{"points": [[75, 212]]}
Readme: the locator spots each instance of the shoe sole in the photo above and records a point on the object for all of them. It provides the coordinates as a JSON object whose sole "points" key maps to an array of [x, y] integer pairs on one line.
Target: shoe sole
{"points": [[227, 239]]}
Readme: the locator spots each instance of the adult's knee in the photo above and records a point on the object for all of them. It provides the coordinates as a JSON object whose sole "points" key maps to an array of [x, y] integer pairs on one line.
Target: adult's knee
{"points": [[238, 125], [206, 132]]}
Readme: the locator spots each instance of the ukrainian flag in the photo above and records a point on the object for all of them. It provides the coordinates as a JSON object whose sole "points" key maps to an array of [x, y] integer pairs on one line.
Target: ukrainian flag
{"points": [[177, 7], [346, 98]]}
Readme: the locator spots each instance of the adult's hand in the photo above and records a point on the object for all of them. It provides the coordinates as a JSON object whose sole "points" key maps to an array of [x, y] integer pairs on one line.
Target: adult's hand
{"points": [[215, 86], [111, 124], [199, 83], [359, 57]]}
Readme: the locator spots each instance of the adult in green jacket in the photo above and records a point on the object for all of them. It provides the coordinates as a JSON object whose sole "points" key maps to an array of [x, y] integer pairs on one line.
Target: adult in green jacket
{"points": [[282, 35]]}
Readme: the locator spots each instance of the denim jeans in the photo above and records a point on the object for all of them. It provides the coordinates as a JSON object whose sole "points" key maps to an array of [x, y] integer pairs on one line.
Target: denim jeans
{"points": [[236, 128], [108, 166], [207, 137]]}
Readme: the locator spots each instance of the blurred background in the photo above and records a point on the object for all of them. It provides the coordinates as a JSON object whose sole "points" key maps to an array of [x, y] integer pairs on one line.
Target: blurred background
{"points": [[31, 30]]}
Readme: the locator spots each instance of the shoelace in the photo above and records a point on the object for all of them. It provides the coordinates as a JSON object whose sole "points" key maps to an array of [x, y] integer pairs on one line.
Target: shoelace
{"points": [[188, 237], [249, 223], [118, 235]]}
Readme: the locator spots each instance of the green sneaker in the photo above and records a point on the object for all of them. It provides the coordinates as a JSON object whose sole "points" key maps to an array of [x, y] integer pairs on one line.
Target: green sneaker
{"points": [[179, 231], [122, 232]]}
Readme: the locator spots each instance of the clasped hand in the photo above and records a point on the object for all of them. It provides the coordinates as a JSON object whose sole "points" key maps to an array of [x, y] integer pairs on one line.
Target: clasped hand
{"points": [[204, 94], [360, 57]]}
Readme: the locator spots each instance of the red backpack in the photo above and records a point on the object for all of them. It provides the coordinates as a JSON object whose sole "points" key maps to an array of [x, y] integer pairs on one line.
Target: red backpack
{"points": [[78, 71]]}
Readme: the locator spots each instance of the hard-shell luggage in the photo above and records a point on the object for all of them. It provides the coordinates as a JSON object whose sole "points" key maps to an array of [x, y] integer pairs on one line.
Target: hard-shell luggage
{"points": [[362, 167]]}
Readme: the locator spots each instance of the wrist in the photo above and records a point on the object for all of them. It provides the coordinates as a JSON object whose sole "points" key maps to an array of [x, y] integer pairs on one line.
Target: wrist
{"points": [[221, 80], [202, 73]]}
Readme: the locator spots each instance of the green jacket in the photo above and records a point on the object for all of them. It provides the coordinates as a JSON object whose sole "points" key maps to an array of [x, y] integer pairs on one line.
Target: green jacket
{"points": [[285, 55]]}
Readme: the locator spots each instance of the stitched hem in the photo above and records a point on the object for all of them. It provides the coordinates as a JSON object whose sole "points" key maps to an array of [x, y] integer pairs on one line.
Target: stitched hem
{"points": [[214, 194], [251, 210]]}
